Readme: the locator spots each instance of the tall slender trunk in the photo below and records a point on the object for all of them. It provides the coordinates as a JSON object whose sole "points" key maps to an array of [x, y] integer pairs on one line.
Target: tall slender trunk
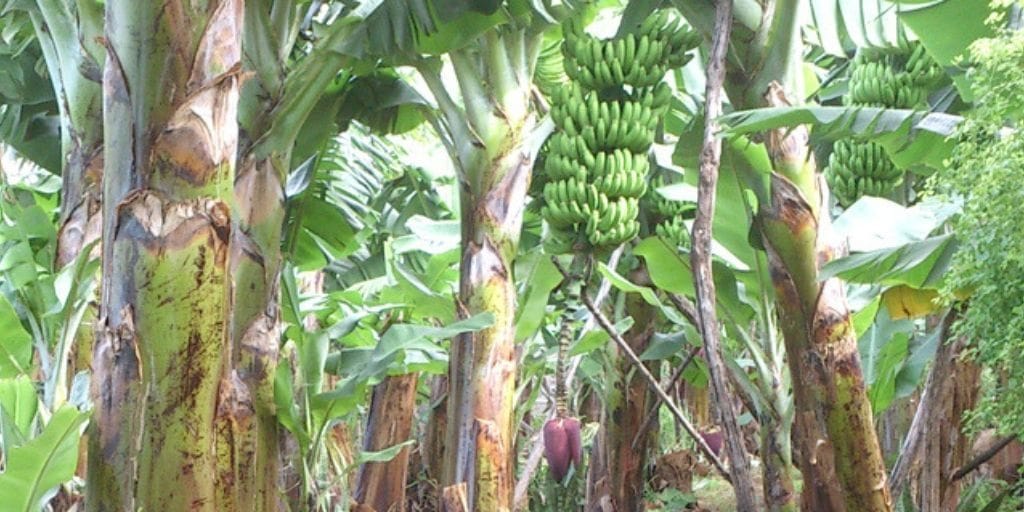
{"points": [[163, 386], [274, 106], [491, 141], [381, 485], [820, 342], [483, 367], [628, 399]]}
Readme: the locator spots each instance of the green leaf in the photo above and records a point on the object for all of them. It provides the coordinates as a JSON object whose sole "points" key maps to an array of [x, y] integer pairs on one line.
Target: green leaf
{"points": [[917, 264], [947, 28], [921, 351], [18, 401], [15, 343], [287, 409], [383, 101], [667, 269], [595, 339], [329, 229], [37, 467], [400, 29], [864, 23], [648, 294], [874, 223], [541, 277], [883, 351], [666, 345], [403, 348], [384, 455], [865, 318], [429, 235], [670, 271], [910, 138]]}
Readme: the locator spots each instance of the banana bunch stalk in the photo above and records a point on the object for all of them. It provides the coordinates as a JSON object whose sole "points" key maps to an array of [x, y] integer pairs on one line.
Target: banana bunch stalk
{"points": [[595, 164], [899, 77]]}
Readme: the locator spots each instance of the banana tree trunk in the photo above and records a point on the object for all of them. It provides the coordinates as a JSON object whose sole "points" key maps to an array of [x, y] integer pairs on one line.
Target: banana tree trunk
{"points": [[483, 368], [627, 402], [274, 106], [163, 386], [68, 34], [946, 449], [815, 319], [492, 141], [381, 485]]}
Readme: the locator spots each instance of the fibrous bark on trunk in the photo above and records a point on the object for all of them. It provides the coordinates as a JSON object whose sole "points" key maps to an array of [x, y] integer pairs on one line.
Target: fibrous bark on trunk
{"points": [[482, 375], [492, 143], [381, 485], [946, 449], [162, 356], [820, 341]]}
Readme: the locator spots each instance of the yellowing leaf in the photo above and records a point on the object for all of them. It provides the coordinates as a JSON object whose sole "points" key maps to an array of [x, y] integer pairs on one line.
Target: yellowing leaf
{"points": [[905, 302]]}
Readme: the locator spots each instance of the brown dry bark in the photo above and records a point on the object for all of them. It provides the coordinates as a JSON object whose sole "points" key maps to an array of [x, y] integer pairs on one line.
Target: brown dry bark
{"points": [[946, 448], [381, 485]]}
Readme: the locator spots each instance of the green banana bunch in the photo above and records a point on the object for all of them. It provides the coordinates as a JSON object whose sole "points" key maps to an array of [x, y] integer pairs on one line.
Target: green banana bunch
{"points": [[550, 74], [924, 71], [638, 59], [899, 77], [595, 165], [673, 231], [857, 169]]}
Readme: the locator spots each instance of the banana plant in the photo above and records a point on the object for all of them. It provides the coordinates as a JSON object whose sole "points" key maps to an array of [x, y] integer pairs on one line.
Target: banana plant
{"points": [[766, 54], [491, 136]]}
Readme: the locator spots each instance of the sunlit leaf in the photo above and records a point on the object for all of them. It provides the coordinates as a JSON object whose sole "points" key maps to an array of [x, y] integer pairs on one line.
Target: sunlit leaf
{"points": [[37, 467], [15, 342], [910, 138]]}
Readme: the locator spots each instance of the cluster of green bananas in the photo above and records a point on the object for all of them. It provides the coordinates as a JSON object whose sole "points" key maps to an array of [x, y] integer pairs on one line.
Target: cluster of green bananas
{"points": [[901, 77], [603, 210], [639, 59], [861, 168], [595, 165], [550, 72], [673, 231], [668, 215]]}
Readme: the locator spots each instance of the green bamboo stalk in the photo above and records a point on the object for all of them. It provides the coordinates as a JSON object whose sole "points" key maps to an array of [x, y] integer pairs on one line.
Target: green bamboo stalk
{"points": [[162, 352], [815, 320]]}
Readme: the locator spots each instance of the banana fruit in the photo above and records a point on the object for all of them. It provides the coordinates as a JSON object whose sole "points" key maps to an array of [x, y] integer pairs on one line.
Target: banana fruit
{"points": [[595, 165], [900, 78]]}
